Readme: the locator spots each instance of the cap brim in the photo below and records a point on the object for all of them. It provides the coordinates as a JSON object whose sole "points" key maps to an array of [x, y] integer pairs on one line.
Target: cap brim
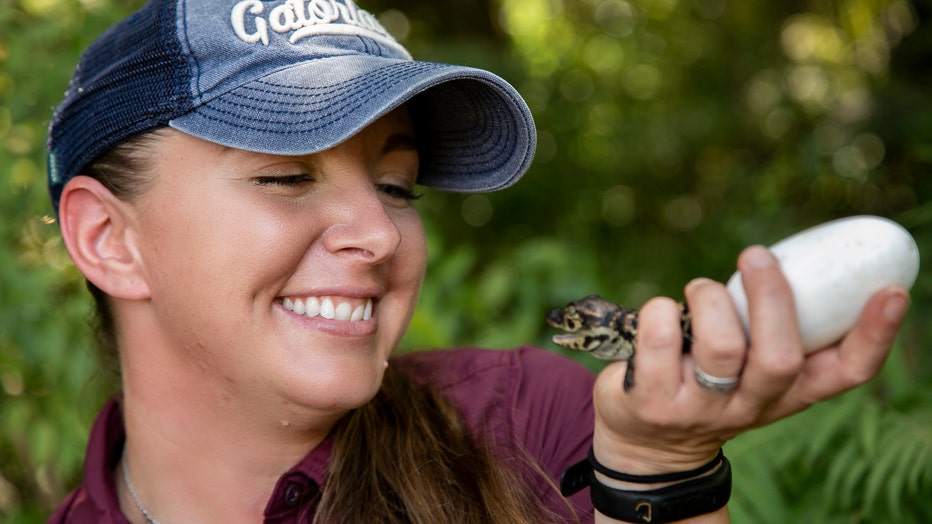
{"points": [[475, 132]]}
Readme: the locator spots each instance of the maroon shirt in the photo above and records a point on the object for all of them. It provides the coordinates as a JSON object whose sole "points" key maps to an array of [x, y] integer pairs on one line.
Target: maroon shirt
{"points": [[526, 399]]}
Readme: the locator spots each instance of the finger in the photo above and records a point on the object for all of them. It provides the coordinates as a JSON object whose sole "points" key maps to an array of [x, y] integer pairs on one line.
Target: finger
{"points": [[608, 387], [776, 355], [657, 370], [865, 349], [857, 359], [719, 345]]}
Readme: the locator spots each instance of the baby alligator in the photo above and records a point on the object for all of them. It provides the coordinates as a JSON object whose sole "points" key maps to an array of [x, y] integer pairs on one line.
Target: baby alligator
{"points": [[605, 330]]}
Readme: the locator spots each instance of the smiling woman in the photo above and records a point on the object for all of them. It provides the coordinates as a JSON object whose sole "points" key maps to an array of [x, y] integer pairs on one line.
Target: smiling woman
{"points": [[237, 183], [266, 277], [246, 230]]}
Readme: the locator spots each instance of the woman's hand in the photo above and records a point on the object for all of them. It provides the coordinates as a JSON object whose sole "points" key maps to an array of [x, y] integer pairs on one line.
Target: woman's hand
{"points": [[667, 422]]}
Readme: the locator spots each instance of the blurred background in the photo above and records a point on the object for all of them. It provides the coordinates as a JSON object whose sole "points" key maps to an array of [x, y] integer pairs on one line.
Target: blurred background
{"points": [[672, 133]]}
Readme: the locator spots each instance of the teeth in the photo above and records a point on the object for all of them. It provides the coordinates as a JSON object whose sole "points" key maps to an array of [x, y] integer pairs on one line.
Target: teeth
{"points": [[312, 307], [326, 308], [343, 312], [357, 313]]}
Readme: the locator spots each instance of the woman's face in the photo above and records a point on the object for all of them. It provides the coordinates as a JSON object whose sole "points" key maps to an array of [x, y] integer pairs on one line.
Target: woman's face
{"points": [[289, 276]]}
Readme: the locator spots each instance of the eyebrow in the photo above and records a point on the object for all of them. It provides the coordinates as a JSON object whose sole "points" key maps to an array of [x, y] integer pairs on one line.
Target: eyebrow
{"points": [[399, 142]]}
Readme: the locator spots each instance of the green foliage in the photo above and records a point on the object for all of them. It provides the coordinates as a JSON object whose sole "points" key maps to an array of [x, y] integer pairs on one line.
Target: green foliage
{"points": [[863, 457], [49, 387], [671, 135]]}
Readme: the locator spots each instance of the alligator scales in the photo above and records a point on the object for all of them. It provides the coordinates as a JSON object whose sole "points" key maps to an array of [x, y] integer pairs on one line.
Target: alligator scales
{"points": [[605, 330]]}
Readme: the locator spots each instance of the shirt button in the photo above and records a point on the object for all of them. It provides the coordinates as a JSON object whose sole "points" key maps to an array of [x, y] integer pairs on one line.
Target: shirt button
{"points": [[294, 493]]}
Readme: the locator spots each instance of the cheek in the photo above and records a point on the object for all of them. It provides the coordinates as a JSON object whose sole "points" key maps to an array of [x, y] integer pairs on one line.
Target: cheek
{"points": [[413, 248], [220, 252]]}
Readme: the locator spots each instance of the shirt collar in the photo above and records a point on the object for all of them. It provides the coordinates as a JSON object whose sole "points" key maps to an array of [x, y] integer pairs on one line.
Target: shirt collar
{"points": [[296, 492]]}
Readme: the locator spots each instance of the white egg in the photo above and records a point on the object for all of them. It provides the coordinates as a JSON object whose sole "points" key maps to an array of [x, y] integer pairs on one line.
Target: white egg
{"points": [[834, 268]]}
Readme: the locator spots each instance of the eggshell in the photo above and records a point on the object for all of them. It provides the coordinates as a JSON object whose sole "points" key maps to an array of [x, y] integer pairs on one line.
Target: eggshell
{"points": [[834, 268]]}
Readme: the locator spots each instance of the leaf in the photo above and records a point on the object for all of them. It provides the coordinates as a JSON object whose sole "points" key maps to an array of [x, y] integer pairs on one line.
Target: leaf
{"points": [[758, 497], [869, 428], [827, 423], [844, 470]]}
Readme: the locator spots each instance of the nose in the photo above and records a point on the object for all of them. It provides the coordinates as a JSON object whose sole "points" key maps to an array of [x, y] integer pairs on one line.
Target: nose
{"points": [[362, 227]]}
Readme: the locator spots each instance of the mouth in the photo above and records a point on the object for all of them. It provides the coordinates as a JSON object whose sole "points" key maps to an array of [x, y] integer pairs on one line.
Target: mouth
{"points": [[344, 309], [569, 341]]}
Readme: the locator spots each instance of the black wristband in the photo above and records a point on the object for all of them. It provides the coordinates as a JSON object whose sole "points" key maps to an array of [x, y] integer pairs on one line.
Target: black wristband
{"points": [[680, 501], [655, 479], [579, 475], [696, 496]]}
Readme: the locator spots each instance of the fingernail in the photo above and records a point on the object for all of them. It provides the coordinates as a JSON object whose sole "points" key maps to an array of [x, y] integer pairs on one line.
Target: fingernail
{"points": [[759, 256], [695, 282], [896, 306]]}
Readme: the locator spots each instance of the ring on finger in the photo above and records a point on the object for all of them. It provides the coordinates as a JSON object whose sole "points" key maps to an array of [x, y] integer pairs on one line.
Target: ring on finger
{"points": [[715, 384]]}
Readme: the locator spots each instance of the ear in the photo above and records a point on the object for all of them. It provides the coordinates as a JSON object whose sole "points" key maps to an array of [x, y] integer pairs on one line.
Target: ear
{"points": [[97, 229]]}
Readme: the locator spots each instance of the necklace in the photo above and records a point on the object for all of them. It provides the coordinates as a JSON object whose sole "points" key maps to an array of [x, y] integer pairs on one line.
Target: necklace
{"points": [[132, 491]]}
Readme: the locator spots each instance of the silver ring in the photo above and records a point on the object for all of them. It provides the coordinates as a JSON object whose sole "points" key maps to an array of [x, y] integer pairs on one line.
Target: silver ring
{"points": [[715, 384]]}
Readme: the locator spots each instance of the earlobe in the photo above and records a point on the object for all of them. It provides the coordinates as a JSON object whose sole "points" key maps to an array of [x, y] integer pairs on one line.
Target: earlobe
{"points": [[99, 237]]}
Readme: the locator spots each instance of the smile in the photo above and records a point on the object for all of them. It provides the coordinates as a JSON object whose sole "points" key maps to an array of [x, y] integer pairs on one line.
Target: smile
{"points": [[329, 309]]}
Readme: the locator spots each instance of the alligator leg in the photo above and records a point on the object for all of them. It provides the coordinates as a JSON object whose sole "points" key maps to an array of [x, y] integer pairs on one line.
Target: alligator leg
{"points": [[629, 375]]}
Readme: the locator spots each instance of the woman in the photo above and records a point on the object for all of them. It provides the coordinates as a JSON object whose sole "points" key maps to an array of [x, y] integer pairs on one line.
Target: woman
{"points": [[235, 181]]}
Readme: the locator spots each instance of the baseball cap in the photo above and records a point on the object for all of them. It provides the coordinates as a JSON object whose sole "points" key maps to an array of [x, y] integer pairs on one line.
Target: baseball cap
{"points": [[290, 77]]}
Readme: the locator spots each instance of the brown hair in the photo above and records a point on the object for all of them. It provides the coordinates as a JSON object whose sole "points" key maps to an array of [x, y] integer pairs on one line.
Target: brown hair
{"points": [[407, 456]]}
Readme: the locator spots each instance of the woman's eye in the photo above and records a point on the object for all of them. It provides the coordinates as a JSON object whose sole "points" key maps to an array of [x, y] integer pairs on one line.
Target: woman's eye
{"points": [[283, 180], [399, 192]]}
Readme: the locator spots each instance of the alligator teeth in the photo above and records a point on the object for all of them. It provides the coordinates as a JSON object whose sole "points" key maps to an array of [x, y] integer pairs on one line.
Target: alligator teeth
{"points": [[327, 308]]}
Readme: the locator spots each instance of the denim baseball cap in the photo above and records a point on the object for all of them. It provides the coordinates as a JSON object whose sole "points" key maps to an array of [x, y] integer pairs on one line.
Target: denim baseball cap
{"points": [[289, 77]]}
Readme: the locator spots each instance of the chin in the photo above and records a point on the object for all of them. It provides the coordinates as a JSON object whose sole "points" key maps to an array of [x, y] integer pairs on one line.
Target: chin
{"points": [[336, 386]]}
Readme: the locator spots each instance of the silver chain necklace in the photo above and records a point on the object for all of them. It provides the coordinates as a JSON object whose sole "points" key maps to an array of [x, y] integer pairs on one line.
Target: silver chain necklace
{"points": [[132, 491]]}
